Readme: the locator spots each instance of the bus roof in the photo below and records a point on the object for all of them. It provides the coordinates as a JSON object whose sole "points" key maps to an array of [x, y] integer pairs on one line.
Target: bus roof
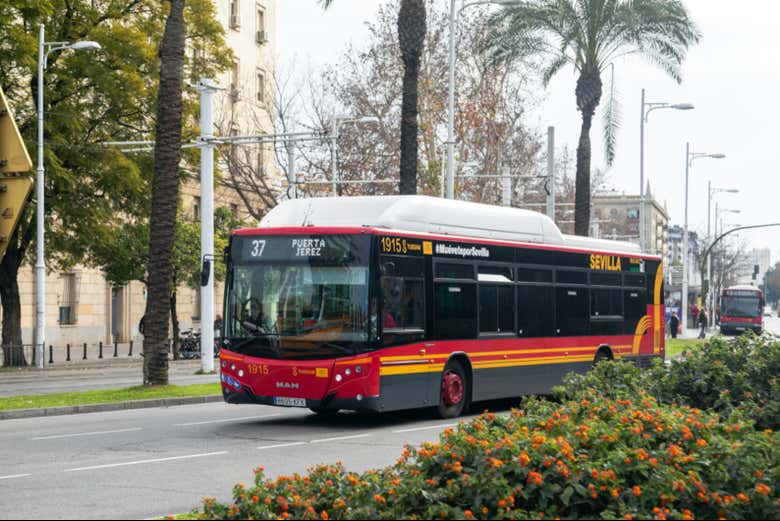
{"points": [[417, 213]]}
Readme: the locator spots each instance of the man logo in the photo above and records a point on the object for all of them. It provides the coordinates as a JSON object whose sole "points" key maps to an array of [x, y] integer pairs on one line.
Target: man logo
{"points": [[287, 385]]}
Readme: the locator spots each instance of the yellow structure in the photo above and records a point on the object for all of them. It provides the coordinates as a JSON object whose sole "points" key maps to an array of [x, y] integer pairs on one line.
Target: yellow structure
{"points": [[14, 188]]}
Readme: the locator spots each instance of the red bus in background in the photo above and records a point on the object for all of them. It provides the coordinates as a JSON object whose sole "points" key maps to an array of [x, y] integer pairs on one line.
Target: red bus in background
{"points": [[741, 309], [374, 303]]}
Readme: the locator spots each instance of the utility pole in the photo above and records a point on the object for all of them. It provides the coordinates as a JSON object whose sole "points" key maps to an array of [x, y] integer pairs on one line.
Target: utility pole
{"points": [[207, 88], [551, 173], [506, 186]]}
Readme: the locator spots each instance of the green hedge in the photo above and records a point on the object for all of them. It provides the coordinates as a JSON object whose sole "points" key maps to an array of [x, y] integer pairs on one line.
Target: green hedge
{"points": [[726, 376]]}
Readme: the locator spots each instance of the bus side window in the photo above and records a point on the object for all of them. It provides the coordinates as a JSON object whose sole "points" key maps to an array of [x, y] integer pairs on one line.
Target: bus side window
{"points": [[455, 310], [402, 310], [573, 313], [634, 308], [535, 311]]}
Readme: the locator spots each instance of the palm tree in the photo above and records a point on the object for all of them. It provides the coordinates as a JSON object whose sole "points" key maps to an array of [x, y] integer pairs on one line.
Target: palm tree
{"points": [[411, 39], [591, 34], [165, 196]]}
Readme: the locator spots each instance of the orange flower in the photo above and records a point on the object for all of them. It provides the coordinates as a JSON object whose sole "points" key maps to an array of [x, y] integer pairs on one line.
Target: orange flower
{"points": [[255, 499], [324, 515], [637, 491], [496, 462], [502, 503], [524, 459], [763, 489], [742, 497], [468, 514], [701, 442]]}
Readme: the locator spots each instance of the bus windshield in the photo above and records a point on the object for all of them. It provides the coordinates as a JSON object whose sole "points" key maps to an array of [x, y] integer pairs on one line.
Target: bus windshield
{"points": [[741, 307], [298, 298]]}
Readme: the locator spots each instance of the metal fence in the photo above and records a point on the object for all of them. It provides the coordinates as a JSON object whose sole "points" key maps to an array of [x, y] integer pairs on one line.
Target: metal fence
{"points": [[24, 354]]}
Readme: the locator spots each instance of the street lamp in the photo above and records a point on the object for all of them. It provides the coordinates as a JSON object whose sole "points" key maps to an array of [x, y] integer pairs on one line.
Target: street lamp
{"points": [[454, 15], [689, 159], [647, 108], [710, 194], [44, 48], [334, 140]]}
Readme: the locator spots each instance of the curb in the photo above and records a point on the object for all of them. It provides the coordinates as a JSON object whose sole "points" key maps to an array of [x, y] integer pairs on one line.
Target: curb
{"points": [[106, 407]]}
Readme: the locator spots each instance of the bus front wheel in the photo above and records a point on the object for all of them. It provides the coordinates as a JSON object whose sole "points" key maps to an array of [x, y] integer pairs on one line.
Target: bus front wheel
{"points": [[454, 391]]}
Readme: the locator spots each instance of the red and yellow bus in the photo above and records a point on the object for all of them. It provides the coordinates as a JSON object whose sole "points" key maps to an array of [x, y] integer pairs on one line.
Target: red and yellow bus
{"points": [[388, 303], [741, 309]]}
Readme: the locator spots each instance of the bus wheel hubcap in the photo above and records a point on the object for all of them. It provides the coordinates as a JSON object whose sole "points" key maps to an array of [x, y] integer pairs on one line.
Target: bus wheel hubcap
{"points": [[452, 389]]}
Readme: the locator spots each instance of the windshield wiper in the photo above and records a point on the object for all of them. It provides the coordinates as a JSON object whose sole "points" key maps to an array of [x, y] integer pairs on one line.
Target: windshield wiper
{"points": [[273, 343]]}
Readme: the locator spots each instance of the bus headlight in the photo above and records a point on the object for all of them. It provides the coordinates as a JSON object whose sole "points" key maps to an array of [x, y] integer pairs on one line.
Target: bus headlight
{"points": [[338, 378], [347, 372]]}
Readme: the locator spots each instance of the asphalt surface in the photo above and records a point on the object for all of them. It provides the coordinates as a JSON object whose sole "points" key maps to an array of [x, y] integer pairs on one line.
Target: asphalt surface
{"points": [[156, 462], [115, 375]]}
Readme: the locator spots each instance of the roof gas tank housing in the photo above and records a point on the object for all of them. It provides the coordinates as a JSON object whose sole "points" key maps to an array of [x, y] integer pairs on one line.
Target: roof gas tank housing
{"points": [[419, 213]]}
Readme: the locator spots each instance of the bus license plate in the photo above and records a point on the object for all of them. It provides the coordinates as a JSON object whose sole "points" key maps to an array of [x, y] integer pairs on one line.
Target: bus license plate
{"points": [[290, 402]]}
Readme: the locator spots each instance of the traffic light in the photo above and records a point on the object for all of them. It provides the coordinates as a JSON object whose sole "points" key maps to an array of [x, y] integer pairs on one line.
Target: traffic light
{"points": [[15, 185], [756, 269]]}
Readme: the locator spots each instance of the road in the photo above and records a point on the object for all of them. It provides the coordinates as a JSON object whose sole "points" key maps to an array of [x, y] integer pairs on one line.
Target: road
{"points": [[773, 324], [86, 378], [155, 462]]}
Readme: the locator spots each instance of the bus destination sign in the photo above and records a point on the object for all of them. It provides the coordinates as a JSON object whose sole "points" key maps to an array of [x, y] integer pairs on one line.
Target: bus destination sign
{"points": [[274, 248]]}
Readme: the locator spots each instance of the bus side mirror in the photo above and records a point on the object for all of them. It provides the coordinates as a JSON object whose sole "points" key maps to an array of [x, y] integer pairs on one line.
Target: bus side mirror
{"points": [[205, 273]]}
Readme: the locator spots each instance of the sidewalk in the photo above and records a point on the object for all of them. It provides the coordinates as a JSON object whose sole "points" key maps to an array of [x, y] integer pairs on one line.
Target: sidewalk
{"points": [[96, 375]]}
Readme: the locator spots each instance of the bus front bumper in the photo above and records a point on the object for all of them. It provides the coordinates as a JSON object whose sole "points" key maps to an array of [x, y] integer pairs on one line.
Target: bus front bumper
{"points": [[245, 396]]}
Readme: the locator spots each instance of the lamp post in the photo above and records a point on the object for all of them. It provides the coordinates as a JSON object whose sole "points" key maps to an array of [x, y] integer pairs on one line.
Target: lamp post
{"points": [[334, 141], [647, 108], [454, 16], [44, 48], [710, 194], [689, 159]]}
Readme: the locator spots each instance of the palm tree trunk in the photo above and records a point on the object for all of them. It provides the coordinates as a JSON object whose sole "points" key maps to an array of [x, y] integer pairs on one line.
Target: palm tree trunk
{"points": [[165, 195], [588, 93], [411, 38]]}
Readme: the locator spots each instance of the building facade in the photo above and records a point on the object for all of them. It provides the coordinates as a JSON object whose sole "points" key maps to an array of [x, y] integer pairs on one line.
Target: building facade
{"points": [[81, 306], [616, 216]]}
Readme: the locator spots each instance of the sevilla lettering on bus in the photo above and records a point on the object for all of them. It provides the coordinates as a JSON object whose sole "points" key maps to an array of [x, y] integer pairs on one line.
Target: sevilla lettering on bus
{"points": [[308, 247], [605, 262]]}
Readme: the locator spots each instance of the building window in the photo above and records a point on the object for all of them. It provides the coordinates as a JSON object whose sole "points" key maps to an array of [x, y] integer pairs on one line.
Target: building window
{"points": [[234, 81], [235, 18], [260, 161], [261, 36], [260, 86], [69, 302]]}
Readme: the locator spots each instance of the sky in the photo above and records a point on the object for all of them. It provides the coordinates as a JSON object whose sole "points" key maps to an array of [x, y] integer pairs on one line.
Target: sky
{"points": [[732, 77]]}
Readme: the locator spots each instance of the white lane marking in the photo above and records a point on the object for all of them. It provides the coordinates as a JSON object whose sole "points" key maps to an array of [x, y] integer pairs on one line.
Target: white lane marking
{"points": [[430, 427], [283, 445], [227, 420], [16, 476], [341, 438], [97, 433], [141, 462]]}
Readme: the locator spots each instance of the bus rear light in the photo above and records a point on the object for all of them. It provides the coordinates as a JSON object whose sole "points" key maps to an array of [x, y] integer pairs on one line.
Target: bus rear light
{"points": [[347, 372], [339, 378], [233, 367], [241, 373]]}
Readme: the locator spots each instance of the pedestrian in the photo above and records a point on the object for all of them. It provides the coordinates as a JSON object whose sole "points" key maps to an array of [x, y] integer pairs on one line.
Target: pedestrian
{"points": [[141, 324], [674, 324], [703, 323]]}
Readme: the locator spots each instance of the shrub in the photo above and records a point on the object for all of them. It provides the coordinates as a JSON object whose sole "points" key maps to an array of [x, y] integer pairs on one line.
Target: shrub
{"points": [[723, 376], [591, 458]]}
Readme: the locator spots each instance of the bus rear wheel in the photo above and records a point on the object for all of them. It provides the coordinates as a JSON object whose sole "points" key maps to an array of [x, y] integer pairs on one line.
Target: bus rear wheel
{"points": [[454, 391]]}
